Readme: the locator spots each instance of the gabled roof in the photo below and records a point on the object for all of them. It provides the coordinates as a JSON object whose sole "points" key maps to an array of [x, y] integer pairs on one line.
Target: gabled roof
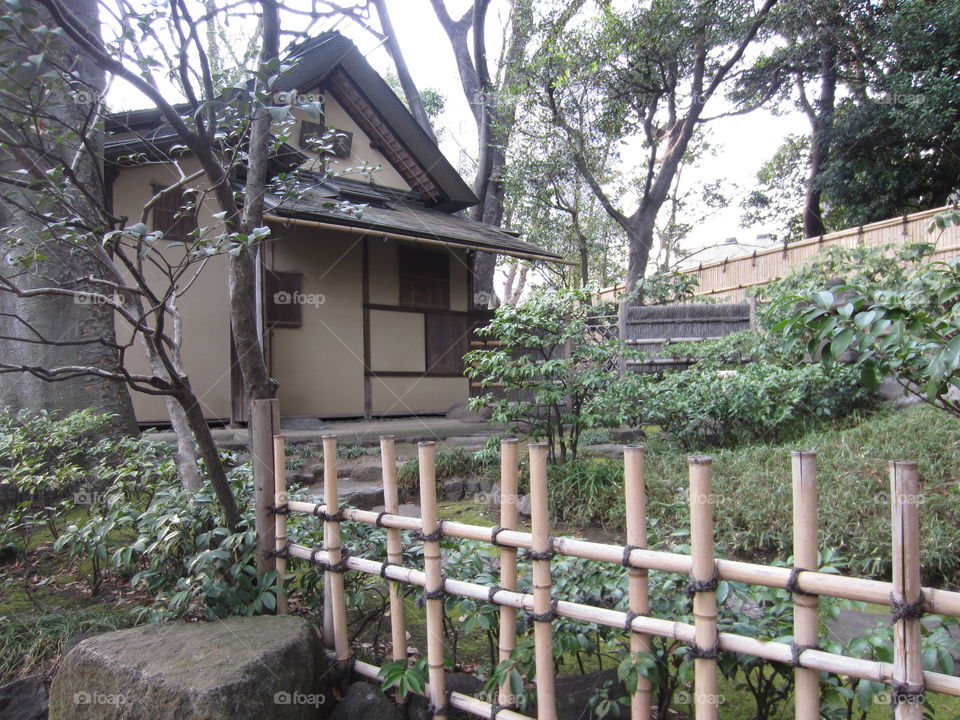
{"points": [[333, 61], [400, 215]]}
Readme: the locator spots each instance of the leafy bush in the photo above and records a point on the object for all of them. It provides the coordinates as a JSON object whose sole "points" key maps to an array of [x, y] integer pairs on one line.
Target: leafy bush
{"points": [[455, 462], [759, 402], [552, 370]]}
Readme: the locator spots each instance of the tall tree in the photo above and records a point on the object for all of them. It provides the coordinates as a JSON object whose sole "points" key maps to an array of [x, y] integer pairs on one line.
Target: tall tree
{"points": [[645, 75], [53, 330]]}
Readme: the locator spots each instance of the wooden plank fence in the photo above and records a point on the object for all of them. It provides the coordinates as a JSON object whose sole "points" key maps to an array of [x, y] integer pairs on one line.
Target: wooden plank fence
{"points": [[730, 280], [904, 595], [653, 328]]}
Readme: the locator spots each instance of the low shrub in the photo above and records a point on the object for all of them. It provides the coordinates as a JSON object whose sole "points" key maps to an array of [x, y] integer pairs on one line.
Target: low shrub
{"points": [[759, 402]]}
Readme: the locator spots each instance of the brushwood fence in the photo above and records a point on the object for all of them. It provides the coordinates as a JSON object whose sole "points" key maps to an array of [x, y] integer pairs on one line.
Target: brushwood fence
{"points": [[905, 597], [653, 328]]}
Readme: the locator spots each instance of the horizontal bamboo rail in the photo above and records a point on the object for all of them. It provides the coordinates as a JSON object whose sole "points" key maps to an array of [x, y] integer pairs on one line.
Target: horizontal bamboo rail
{"points": [[940, 602], [460, 701], [682, 632]]}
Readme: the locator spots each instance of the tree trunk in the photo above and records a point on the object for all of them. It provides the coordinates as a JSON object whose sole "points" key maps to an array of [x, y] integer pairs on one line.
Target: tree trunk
{"points": [[640, 230], [210, 456], [59, 318], [820, 121]]}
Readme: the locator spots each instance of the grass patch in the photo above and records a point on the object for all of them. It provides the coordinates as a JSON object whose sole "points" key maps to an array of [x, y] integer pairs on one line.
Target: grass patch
{"points": [[752, 485]]}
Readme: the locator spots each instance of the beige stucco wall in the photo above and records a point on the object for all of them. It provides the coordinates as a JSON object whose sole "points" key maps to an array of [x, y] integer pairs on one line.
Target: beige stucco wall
{"points": [[320, 364], [405, 395], [204, 307], [360, 150], [397, 341]]}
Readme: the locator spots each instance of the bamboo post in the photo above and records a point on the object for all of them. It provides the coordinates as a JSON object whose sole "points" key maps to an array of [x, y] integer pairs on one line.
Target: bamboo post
{"points": [[635, 496], [433, 590], [509, 488], [264, 424], [391, 504], [331, 539], [280, 520], [542, 547], [703, 585], [907, 598], [806, 607]]}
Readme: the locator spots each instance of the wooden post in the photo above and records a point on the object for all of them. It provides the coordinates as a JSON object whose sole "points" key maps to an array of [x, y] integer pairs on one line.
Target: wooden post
{"points": [[331, 540], [280, 520], [703, 571], [434, 578], [542, 600], [264, 424], [638, 579], [806, 607], [391, 504], [509, 488], [908, 682]]}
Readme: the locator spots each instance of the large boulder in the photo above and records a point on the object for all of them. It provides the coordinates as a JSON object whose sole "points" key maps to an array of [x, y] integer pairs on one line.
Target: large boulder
{"points": [[237, 668], [24, 699], [365, 701]]}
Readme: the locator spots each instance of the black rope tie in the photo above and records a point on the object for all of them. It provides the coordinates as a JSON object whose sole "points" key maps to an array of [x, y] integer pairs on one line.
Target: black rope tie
{"points": [[547, 616], [379, 520], [433, 536], [900, 609], [631, 616], [493, 535], [320, 512], [695, 586], [383, 568], [279, 509], [907, 693], [338, 567], [793, 584], [547, 554], [627, 549], [495, 709], [283, 552], [695, 652], [493, 590], [797, 650], [438, 593]]}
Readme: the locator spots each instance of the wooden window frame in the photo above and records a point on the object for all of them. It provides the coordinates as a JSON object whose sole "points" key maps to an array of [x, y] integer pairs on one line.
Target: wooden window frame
{"points": [[282, 315], [167, 215], [418, 287]]}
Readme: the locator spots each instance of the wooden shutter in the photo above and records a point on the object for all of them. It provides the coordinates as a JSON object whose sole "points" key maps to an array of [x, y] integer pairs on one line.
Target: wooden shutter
{"points": [[447, 343], [281, 299], [170, 216], [424, 278]]}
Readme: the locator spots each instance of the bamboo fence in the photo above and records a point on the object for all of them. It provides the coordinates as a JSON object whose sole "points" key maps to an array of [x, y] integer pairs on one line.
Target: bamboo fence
{"points": [[731, 279], [904, 596]]}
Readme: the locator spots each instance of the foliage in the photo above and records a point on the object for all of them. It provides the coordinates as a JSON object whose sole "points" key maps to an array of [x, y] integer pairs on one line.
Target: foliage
{"points": [[405, 677], [879, 267], [550, 368], [778, 198], [908, 330], [663, 288], [455, 462], [32, 644], [758, 402]]}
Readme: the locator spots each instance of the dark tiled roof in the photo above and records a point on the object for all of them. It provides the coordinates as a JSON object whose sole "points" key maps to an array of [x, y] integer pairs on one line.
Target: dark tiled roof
{"points": [[387, 212]]}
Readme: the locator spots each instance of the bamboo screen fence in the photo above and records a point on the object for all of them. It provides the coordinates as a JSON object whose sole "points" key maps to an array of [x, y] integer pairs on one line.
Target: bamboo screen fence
{"points": [[729, 280], [905, 597]]}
